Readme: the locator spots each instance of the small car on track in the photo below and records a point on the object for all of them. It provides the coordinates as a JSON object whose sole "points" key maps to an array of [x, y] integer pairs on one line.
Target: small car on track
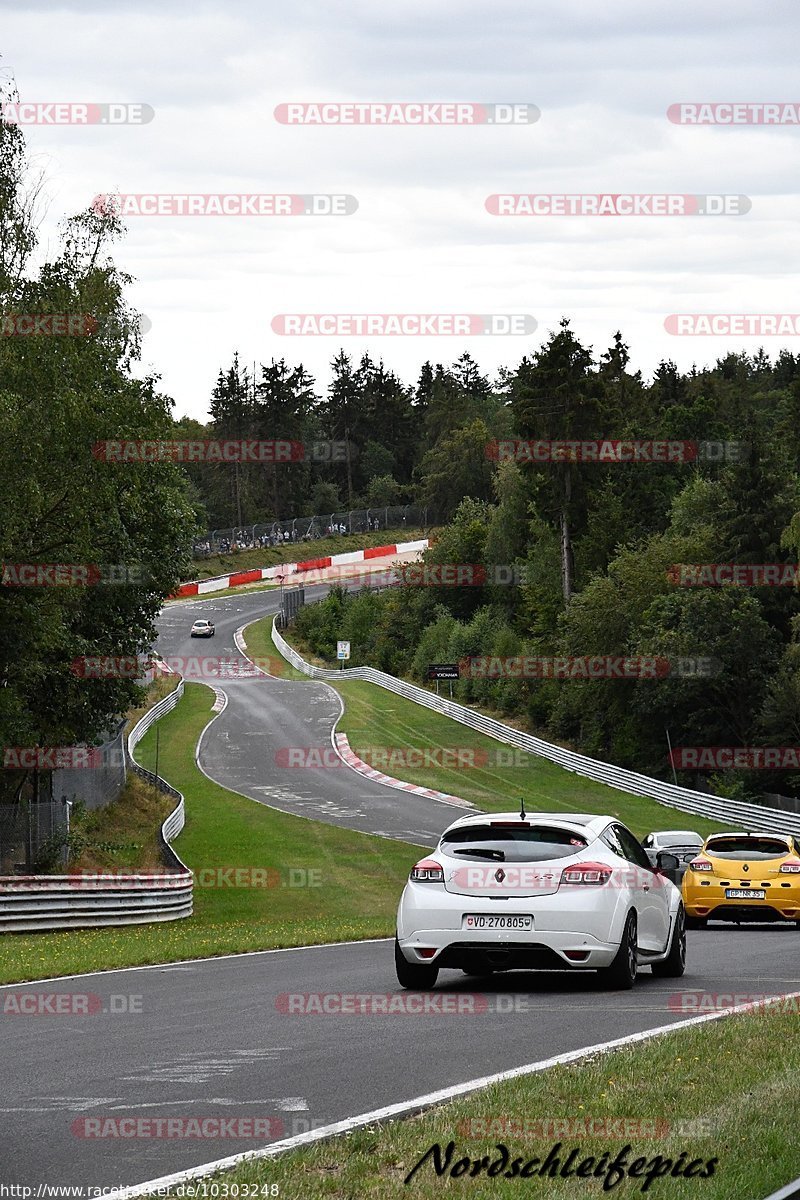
{"points": [[202, 629], [683, 843], [744, 877], [539, 891]]}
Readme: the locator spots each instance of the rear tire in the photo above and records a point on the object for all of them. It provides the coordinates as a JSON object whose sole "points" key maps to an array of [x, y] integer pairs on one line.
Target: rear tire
{"points": [[416, 977], [696, 922], [674, 965], [621, 973]]}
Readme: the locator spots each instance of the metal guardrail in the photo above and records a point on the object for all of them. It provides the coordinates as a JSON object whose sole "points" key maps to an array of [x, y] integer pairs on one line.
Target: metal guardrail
{"points": [[42, 902], [717, 808]]}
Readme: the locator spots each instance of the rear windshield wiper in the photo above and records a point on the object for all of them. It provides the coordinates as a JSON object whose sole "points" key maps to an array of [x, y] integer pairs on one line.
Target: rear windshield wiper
{"points": [[497, 855]]}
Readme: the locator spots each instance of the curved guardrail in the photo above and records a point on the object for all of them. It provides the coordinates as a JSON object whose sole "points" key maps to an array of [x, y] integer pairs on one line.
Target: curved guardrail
{"points": [[717, 808], [42, 902]]}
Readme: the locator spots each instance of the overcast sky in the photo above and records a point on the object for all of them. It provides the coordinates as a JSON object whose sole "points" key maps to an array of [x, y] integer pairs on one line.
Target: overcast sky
{"points": [[422, 241]]}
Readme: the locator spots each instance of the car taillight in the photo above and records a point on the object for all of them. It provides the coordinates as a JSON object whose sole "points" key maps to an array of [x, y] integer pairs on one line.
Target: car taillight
{"points": [[587, 872], [791, 867], [700, 864], [427, 871]]}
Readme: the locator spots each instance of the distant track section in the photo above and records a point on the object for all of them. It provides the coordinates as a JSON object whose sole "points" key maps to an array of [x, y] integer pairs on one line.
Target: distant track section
{"points": [[281, 570]]}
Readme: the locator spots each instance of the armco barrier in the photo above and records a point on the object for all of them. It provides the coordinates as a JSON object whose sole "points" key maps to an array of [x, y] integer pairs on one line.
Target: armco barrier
{"points": [[40, 902], [729, 812]]}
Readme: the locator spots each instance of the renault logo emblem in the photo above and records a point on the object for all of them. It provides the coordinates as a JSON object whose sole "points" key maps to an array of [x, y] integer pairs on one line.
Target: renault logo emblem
{"points": [[745, 868], [500, 875]]}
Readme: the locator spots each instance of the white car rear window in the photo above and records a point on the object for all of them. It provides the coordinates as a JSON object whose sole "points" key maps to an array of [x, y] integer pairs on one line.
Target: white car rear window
{"points": [[512, 842]]}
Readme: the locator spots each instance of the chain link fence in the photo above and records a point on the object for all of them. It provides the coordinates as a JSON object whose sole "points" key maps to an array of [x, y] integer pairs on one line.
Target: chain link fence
{"points": [[25, 828], [309, 529], [36, 822]]}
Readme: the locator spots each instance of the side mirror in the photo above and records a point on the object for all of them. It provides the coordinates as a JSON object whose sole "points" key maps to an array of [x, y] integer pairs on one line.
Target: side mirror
{"points": [[667, 864]]}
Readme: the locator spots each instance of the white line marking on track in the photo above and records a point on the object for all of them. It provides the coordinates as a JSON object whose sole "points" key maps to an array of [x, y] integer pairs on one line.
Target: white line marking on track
{"points": [[419, 1103], [202, 961]]}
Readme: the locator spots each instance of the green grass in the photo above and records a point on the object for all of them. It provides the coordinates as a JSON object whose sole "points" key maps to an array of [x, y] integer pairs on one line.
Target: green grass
{"points": [[246, 560], [360, 877], [123, 835], [260, 646], [728, 1090], [377, 721], [380, 723]]}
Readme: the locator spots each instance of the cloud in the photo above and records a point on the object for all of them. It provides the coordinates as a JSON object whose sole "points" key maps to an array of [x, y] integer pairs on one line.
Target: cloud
{"points": [[603, 77]]}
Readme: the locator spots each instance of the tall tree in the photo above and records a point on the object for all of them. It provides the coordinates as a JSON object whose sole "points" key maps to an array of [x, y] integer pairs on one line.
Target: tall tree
{"points": [[64, 498], [232, 411], [284, 405], [558, 396]]}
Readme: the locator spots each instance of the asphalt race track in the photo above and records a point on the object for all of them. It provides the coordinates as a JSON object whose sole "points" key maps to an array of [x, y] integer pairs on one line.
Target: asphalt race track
{"points": [[215, 1039], [243, 748], [221, 1039]]}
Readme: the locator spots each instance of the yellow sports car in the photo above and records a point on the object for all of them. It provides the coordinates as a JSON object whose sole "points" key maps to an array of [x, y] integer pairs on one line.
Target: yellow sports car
{"points": [[743, 877]]}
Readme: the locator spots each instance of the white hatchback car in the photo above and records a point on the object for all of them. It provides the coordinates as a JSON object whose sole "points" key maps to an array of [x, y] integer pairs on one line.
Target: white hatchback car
{"points": [[202, 629], [542, 891]]}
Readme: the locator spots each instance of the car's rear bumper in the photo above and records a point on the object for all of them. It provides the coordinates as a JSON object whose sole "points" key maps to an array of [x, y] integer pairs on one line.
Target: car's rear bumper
{"points": [[538, 951], [558, 918], [710, 903]]}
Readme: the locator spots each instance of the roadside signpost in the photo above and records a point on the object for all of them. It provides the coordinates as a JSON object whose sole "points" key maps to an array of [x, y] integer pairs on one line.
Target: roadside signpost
{"points": [[448, 671], [342, 653]]}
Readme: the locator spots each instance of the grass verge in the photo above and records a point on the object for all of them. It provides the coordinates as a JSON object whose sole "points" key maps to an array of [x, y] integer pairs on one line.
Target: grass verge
{"points": [[260, 646], [727, 1091], [380, 723], [382, 728], [122, 836], [247, 560], [353, 893]]}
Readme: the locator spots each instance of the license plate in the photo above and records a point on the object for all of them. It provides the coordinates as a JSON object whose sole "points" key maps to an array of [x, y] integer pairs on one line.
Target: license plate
{"points": [[745, 894], [488, 921]]}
